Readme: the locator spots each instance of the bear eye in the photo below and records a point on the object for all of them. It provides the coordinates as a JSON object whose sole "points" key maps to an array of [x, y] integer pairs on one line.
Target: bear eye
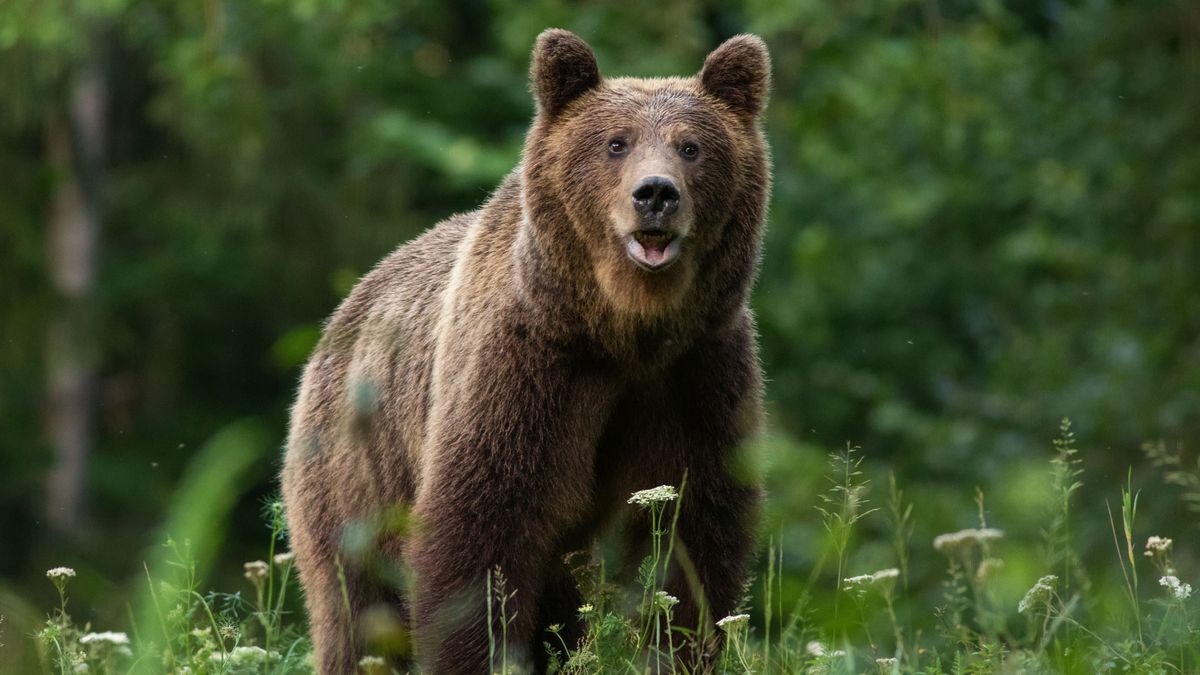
{"points": [[617, 146], [689, 150]]}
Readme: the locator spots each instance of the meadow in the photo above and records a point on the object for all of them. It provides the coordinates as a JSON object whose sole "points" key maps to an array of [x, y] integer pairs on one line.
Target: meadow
{"points": [[1130, 610]]}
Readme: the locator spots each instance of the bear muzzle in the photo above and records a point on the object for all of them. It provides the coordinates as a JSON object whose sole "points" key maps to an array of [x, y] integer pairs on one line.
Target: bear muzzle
{"points": [[654, 246], [653, 249]]}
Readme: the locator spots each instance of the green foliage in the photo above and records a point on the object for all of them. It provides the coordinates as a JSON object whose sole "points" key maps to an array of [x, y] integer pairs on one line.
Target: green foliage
{"points": [[629, 630], [1066, 468], [971, 230], [843, 506]]}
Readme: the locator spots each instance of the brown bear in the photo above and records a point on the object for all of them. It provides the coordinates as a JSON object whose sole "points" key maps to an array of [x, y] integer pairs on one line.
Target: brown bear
{"points": [[514, 373]]}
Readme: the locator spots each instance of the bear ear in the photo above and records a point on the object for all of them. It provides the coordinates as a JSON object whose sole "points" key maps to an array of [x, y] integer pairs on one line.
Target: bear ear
{"points": [[739, 73], [563, 68]]}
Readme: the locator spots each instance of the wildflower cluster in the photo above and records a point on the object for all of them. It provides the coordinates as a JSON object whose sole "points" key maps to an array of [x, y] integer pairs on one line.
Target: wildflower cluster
{"points": [[882, 580], [245, 656], [1158, 547], [1158, 550], [373, 665], [191, 632], [73, 650], [652, 496], [1177, 589], [733, 621], [60, 577], [665, 601], [256, 570], [103, 646], [106, 638], [60, 573], [955, 541], [1039, 594], [817, 649]]}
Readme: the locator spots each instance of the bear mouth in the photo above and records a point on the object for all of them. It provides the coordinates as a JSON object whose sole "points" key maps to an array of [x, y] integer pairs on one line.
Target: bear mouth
{"points": [[653, 249]]}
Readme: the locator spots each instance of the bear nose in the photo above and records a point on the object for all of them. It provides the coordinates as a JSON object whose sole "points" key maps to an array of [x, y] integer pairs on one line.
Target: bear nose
{"points": [[656, 196]]}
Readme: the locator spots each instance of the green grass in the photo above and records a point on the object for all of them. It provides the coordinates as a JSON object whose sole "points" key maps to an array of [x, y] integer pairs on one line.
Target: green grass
{"points": [[848, 621]]}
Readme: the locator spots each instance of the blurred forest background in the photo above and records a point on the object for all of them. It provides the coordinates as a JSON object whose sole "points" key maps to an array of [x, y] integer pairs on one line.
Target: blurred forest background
{"points": [[986, 217]]}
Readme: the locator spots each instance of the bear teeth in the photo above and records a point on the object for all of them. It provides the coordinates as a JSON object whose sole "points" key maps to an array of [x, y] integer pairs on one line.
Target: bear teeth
{"points": [[653, 236], [653, 249]]}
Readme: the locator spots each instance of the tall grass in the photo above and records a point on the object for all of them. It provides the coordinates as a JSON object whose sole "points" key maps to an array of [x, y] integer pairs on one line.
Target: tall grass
{"points": [[1063, 623]]}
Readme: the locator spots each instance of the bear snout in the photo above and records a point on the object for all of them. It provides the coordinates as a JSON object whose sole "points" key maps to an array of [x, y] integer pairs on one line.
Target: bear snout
{"points": [[655, 197], [655, 244]]}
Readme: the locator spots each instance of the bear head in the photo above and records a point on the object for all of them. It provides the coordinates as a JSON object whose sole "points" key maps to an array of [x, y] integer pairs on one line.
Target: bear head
{"points": [[639, 180]]}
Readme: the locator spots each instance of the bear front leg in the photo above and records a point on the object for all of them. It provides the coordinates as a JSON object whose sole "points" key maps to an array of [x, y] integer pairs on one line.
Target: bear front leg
{"points": [[506, 473], [714, 396], [558, 605], [714, 549]]}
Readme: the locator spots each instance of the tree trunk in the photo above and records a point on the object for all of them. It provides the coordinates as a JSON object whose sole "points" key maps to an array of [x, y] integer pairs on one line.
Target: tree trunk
{"points": [[75, 147]]}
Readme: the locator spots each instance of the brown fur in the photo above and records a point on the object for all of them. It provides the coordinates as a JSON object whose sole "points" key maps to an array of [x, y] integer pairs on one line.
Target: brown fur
{"points": [[511, 375]]}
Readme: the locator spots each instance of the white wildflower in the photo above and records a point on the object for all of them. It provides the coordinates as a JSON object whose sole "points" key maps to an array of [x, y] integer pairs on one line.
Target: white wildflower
{"points": [[944, 543], [373, 664], [862, 583], [886, 664], [107, 637], [883, 575], [1178, 589], [255, 570], [885, 581], [814, 648], [854, 582], [60, 573], [733, 621], [246, 656], [284, 558], [1158, 546], [1038, 594], [665, 600], [949, 543], [586, 609], [662, 493]]}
